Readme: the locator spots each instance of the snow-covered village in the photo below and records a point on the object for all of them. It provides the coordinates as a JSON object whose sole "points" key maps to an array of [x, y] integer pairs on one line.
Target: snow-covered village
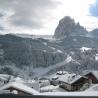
{"points": [[48, 48], [61, 83]]}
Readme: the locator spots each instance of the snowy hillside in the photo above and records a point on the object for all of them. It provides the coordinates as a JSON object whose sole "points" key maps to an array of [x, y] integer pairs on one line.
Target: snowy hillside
{"points": [[69, 49]]}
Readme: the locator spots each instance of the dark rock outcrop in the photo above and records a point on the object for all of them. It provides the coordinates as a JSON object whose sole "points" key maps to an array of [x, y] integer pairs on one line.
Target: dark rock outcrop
{"points": [[68, 27]]}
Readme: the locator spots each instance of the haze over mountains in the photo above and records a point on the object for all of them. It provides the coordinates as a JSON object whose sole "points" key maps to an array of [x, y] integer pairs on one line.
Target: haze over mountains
{"points": [[72, 48]]}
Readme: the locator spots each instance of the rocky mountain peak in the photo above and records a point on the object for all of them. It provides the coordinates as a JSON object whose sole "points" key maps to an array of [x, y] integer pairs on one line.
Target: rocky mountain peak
{"points": [[68, 27], [67, 21]]}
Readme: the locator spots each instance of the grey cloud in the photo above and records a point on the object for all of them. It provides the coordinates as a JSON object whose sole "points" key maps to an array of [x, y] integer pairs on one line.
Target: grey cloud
{"points": [[29, 13], [94, 9]]}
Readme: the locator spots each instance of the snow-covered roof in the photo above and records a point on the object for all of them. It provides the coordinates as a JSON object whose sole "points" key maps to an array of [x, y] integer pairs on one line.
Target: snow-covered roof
{"points": [[17, 79], [48, 88], [94, 72], [93, 88], [69, 78], [66, 77], [57, 74], [51, 88], [19, 86], [77, 77]]}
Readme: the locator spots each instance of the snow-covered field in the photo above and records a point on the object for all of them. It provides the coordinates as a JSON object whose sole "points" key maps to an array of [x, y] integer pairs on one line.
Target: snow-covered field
{"points": [[93, 93]]}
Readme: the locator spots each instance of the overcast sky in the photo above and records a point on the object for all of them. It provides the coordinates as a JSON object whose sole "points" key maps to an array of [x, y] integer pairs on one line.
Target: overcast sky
{"points": [[42, 16]]}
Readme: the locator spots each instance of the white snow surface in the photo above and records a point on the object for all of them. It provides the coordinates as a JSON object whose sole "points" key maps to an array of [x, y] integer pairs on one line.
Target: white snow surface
{"points": [[69, 59], [59, 51], [69, 78], [19, 86], [52, 47], [93, 88], [83, 49], [48, 88], [94, 72], [96, 57], [90, 93], [17, 79], [39, 71], [66, 77], [52, 88]]}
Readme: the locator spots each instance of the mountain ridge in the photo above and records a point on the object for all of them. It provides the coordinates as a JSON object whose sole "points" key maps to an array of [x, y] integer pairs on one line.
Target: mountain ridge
{"points": [[70, 43]]}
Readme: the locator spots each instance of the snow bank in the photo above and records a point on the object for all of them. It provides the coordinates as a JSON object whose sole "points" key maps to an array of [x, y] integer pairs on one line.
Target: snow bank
{"points": [[95, 93], [83, 49]]}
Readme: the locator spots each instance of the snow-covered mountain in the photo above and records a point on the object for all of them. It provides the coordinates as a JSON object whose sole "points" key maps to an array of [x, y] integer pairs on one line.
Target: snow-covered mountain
{"points": [[28, 52], [70, 49], [68, 27], [82, 49]]}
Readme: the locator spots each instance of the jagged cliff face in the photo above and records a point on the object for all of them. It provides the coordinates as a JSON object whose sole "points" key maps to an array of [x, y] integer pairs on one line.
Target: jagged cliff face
{"points": [[68, 27]]}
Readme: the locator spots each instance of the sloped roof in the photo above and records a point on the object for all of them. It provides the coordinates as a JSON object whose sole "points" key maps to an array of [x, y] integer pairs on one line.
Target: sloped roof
{"points": [[94, 72], [52, 88], [17, 79], [66, 77], [69, 78], [19, 86]]}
